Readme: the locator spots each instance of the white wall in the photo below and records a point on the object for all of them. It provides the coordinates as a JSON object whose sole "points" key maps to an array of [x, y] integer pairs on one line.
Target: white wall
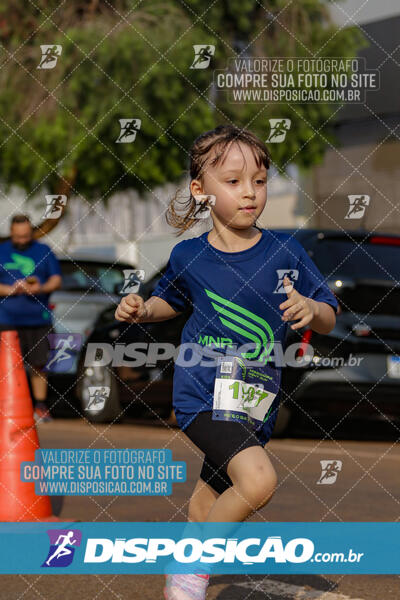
{"points": [[134, 228]]}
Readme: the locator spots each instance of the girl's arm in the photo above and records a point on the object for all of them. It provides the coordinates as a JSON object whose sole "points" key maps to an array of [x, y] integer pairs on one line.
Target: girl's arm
{"points": [[324, 318], [133, 309], [159, 310]]}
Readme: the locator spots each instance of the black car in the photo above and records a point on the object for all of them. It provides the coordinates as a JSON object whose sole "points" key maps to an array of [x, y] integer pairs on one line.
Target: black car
{"points": [[351, 373]]}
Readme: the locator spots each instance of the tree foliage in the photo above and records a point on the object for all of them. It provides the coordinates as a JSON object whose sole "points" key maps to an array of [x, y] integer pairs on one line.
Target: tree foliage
{"points": [[129, 59]]}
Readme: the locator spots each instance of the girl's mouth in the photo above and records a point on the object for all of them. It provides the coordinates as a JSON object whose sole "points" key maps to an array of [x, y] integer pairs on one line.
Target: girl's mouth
{"points": [[248, 209]]}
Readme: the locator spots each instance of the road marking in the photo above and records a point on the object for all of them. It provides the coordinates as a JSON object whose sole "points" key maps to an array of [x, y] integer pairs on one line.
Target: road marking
{"points": [[294, 592], [322, 450]]}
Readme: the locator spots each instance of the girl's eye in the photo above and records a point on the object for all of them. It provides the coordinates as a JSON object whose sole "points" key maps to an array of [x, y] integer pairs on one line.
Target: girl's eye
{"points": [[261, 181]]}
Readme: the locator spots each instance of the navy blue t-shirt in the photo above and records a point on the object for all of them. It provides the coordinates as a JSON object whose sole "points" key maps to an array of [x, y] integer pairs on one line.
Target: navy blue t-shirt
{"points": [[235, 298], [24, 309]]}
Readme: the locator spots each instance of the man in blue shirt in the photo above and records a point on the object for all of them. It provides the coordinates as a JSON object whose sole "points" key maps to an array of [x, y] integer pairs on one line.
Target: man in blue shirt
{"points": [[29, 272]]}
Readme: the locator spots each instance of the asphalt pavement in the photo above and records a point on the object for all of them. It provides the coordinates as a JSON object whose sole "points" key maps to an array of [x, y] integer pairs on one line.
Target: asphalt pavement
{"points": [[366, 489]]}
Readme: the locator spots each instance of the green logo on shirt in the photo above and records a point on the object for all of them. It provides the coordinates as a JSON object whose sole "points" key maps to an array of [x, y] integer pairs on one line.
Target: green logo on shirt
{"points": [[25, 264], [247, 323], [219, 342]]}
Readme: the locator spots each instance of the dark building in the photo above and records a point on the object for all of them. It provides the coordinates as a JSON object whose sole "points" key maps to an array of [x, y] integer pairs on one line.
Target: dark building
{"points": [[366, 158]]}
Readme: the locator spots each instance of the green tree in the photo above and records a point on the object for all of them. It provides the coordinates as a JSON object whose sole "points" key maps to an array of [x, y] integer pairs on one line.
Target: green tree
{"points": [[128, 59], [278, 28]]}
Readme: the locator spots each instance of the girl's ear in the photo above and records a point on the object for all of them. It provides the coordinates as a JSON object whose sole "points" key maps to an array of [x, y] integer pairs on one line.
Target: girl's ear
{"points": [[196, 187]]}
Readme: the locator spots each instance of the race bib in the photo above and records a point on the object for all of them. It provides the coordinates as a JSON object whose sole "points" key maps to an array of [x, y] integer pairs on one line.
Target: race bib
{"points": [[243, 392]]}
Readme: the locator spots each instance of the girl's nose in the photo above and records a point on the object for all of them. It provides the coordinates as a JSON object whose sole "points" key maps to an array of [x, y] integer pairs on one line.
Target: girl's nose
{"points": [[250, 193]]}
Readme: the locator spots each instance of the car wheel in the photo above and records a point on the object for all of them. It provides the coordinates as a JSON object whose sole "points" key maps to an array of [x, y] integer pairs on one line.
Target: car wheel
{"points": [[106, 408]]}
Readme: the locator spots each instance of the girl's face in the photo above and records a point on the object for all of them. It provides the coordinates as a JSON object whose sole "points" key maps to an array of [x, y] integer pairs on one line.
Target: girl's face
{"points": [[239, 186]]}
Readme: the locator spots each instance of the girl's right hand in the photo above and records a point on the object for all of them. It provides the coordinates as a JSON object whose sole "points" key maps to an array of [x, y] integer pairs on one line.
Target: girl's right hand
{"points": [[131, 309]]}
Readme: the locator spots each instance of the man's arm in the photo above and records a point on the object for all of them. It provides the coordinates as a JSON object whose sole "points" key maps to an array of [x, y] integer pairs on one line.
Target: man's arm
{"points": [[23, 287], [51, 285], [6, 290]]}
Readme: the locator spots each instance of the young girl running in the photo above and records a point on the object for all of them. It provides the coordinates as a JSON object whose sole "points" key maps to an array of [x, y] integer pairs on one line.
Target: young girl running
{"points": [[244, 284]]}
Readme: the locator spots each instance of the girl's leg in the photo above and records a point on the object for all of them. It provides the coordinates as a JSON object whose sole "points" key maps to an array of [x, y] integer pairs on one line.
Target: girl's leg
{"points": [[201, 501], [193, 587], [254, 481]]}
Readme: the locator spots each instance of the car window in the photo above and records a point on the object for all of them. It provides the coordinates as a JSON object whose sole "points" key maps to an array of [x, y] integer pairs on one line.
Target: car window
{"points": [[150, 286], [362, 261], [92, 277]]}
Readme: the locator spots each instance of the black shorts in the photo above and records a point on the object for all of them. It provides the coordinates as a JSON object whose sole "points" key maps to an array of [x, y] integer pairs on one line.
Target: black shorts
{"points": [[34, 343], [220, 441]]}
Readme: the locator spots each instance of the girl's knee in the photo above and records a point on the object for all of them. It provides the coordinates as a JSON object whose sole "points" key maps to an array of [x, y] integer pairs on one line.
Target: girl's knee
{"points": [[258, 485]]}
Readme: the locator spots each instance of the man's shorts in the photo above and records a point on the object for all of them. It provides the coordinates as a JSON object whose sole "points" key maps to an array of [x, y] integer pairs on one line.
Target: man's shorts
{"points": [[220, 441], [34, 343]]}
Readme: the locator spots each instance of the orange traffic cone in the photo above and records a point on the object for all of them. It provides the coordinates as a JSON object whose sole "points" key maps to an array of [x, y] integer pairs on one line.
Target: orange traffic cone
{"points": [[18, 438]]}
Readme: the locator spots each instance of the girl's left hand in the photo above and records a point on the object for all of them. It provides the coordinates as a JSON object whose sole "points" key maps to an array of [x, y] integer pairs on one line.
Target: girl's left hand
{"points": [[297, 306]]}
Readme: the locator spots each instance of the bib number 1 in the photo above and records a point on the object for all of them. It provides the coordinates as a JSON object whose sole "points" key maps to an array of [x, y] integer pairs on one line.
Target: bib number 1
{"points": [[243, 393]]}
